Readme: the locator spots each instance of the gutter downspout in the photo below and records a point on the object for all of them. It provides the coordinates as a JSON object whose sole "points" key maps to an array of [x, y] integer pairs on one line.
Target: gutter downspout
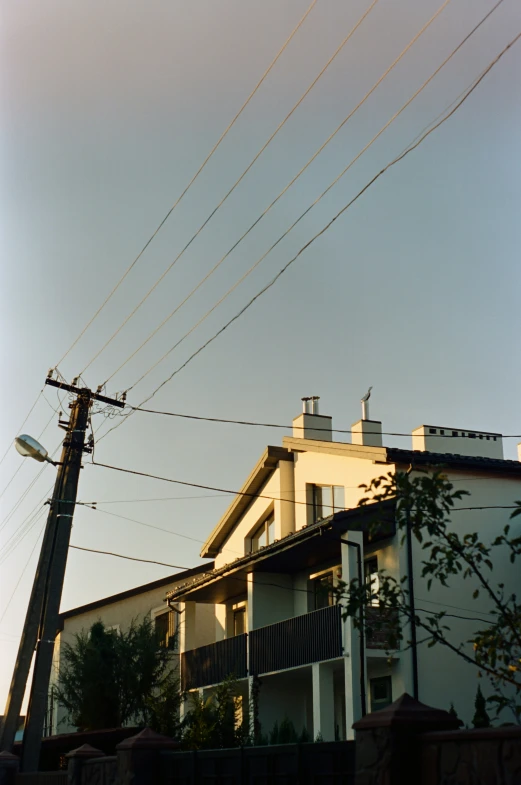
{"points": [[410, 585], [363, 702]]}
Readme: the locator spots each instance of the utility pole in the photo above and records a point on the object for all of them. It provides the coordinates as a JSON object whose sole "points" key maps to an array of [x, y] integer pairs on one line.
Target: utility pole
{"points": [[42, 619]]}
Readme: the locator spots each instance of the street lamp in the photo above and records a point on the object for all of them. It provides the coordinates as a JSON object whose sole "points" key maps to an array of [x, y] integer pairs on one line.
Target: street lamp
{"points": [[30, 448]]}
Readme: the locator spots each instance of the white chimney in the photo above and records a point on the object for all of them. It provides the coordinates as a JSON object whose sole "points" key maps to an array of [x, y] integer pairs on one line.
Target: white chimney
{"points": [[458, 441], [312, 425], [519, 451], [367, 432]]}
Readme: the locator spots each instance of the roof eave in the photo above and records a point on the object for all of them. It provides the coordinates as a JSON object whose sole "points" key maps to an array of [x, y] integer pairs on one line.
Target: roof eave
{"points": [[258, 477]]}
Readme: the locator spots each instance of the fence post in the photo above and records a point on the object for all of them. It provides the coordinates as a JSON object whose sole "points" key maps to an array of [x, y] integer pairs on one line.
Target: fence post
{"points": [[387, 748], [76, 759], [9, 764], [139, 757]]}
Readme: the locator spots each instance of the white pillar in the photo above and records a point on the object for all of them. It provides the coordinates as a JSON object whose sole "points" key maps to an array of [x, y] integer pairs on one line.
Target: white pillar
{"points": [[285, 508], [323, 701], [187, 628], [351, 636]]}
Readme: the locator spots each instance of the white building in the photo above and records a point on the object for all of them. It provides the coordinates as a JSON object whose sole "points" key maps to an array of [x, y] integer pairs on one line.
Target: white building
{"points": [[288, 536], [117, 612]]}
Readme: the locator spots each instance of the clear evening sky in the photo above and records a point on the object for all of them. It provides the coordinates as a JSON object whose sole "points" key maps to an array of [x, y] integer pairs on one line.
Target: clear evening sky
{"points": [[108, 109]]}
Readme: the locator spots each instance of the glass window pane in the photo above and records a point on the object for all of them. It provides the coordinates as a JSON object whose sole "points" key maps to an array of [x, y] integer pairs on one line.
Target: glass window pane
{"points": [[372, 580], [381, 693], [317, 502], [327, 501], [338, 497], [239, 621], [323, 591], [271, 529]]}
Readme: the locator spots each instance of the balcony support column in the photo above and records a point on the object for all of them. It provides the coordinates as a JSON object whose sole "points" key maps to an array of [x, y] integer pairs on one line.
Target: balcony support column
{"points": [[323, 701], [353, 667]]}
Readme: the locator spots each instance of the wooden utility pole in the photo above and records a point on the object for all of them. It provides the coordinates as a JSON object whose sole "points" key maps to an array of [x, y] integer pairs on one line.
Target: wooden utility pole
{"points": [[42, 619]]}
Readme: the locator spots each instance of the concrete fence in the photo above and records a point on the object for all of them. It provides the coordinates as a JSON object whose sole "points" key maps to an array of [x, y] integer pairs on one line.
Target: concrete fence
{"points": [[407, 742]]}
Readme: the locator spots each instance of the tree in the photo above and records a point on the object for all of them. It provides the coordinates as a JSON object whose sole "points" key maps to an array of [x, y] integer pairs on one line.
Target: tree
{"points": [[481, 718], [216, 722], [423, 506], [110, 678]]}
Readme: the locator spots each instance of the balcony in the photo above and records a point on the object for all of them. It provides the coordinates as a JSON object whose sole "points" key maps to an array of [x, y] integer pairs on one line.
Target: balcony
{"points": [[214, 663], [313, 637]]}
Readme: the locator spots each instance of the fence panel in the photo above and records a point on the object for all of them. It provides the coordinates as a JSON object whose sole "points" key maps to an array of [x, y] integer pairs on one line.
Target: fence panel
{"points": [[327, 763], [41, 778]]}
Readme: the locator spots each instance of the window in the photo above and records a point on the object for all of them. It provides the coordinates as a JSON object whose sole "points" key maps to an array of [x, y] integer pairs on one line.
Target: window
{"points": [[381, 693], [323, 591], [372, 580], [264, 535], [166, 627], [327, 499], [239, 621]]}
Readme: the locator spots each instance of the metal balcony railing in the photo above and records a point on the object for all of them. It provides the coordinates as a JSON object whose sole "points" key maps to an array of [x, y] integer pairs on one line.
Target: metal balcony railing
{"points": [[214, 663], [313, 637]]}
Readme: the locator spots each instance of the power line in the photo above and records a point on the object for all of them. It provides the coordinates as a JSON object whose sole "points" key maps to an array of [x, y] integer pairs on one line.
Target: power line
{"points": [[23, 423], [9, 601], [264, 583], [329, 224], [131, 558], [237, 182], [290, 427], [264, 496], [273, 203], [148, 525], [194, 178]]}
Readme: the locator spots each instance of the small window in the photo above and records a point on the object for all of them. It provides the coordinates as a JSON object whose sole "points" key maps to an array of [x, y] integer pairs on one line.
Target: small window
{"points": [[442, 432], [372, 581], [454, 433], [264, 535], [323, 591], [327, 499], [381, 693], [432, 430], [239, 621], [166, 626]]}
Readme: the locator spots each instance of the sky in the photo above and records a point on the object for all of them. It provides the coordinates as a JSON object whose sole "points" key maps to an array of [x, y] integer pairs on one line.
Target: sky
{"points": [[107, 111]]}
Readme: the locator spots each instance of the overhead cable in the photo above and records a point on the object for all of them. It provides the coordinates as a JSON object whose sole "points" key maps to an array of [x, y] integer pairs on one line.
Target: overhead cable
{"points": [[265, 496], [327, 226], [131, 558], [194, 178], [287, 187], [235, 185], [294, 427], [9, 601], [22, 425]]}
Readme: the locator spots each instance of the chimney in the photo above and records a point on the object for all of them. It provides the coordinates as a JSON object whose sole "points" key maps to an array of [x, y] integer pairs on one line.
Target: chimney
{"points": [[458, 441], [367, 432], [310, 424], [519, 451]]}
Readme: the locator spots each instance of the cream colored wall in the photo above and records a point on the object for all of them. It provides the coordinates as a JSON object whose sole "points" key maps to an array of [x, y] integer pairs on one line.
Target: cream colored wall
{"points": [[325, 468], [235, 545]]}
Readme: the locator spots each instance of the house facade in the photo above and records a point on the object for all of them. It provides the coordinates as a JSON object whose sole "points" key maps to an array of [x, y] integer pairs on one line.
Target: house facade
{"points": [[118, 612], [292, 532]]}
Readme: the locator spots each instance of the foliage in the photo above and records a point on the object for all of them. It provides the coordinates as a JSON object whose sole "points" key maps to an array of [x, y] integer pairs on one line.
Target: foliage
{"points": [[285, 733], [216, 722], [481, 718], [423, 506], [110, 678]]}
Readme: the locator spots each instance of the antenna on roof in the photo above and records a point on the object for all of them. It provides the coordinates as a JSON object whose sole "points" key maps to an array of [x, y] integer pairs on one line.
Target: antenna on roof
{"points": [[365, 404]]}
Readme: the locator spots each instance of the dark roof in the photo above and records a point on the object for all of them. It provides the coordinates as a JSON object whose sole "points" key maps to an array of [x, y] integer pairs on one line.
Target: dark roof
{"points": [[281, 555], [178, 577], [425, 458]]}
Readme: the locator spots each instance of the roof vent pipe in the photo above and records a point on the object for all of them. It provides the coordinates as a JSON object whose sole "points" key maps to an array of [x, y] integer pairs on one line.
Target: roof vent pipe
{"points": [[314, 404], [306, 405]]}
